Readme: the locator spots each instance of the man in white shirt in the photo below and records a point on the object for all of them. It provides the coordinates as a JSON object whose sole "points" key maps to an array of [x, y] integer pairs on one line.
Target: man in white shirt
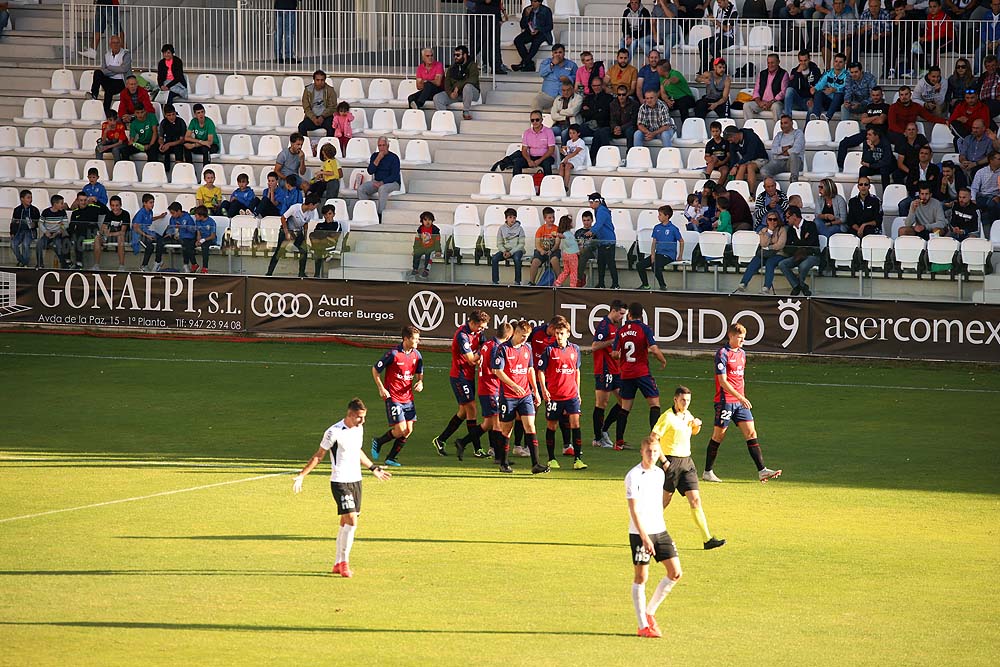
{"points": [[344, 442], [111, 76], [295, 230], [648, 536]]}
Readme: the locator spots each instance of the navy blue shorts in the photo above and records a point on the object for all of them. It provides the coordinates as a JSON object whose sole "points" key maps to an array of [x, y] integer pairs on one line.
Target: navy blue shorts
{"points": [[106, 19], [731, 412], [646, 384], [464, 390], [490, 405], [607, 382], [554, 410], [397, 413], [511, 408]]}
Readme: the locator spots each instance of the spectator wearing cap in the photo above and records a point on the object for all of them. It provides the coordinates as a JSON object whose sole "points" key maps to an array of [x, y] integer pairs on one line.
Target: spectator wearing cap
{"points": [[747, 155], [538, 147], [604, 232], [769, 93], [801, 250], [716, 98]]}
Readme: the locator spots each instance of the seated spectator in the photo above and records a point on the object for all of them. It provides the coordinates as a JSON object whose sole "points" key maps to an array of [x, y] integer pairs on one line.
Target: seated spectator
{"points": [[974, 148], [430, 79], [242, 201], [510, 246], [326, 182], [828, 93], [649, 76], [133, 97], [724, 223], [622, 73], [84, 223], [170, 77], [111, 76], [114, 138], [716, 98], [667, 33], [653, 122], [143, 137], [143, 235], [291, 193], [385, 170], [864, 211], [788, 151], [667, 246], [931, 91], [877, 158], [52, 234], [904, 111], [838, 29], [624, 116], [747, 155], [272, 197], [773, 237], [94, 189], [857, 91], [587, 242], [187, 233], [201, 138], [587, 72], [802, 83], [989, 35], [707, 214], [324, 237], [342, 128], [938, 34], [636, 29], [831, 209], [546, 253], [106, 19], [769, 92], [770, 200], [964, 217], [536, 29], [426, 242], [716, 152], [739, 209], [961, 80], [874, 31], [553, 71], [675, 93], [569, 251], [724, 24], [295, 229], [209, 194], [538, 147], [952, 180], [574, 155], [874, 117], [565, 110], [907, 152], [24, 222], [291, 161], [595, 114], [986, 191], [989, 85], [966, 112], [926, 216], [694, 212], [112, 230], [925, 172], [801, 250], [319, 104], [461, 82], [205, 238], [171, 137]]}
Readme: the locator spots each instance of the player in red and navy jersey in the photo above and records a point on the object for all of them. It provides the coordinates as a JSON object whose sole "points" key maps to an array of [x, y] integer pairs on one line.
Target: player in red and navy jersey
{"points": [[513, 367], [404, 374], [559, 382], [633, 343], [541, 337], [607, 377], [465, 361], [489, 394], [732, 405]]}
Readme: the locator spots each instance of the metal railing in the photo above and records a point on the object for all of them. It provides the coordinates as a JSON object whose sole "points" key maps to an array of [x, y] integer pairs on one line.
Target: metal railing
{"points": [[244, 39]]}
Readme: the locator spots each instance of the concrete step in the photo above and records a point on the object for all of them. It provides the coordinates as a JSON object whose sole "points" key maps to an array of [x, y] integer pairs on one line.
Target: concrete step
{"points": [[362, 259], [511, 130], [15, 48], [392, 275]]}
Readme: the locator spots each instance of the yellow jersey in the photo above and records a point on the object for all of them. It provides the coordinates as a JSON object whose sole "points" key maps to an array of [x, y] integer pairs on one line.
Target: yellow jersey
{"points": [[209, 196], [674, 431]]}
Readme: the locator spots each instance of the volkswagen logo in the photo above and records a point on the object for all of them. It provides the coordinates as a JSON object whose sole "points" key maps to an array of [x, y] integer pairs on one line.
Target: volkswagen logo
{"points": [[272, 304], [426, 310]]}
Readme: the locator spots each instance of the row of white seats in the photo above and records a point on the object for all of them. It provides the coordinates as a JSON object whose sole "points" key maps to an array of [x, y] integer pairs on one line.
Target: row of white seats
{"points": [[908, 251]]}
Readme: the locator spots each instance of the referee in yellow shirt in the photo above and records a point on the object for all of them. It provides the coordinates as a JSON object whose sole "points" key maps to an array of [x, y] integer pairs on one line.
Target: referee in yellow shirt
{"points": [[673, 430]]}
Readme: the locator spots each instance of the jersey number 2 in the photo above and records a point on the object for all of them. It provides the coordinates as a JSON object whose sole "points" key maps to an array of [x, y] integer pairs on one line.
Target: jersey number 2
{"points": [[630, 352]]}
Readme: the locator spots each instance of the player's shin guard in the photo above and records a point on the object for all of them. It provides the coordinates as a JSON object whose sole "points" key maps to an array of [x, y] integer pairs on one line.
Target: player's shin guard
{"points": [[532, 443], [612, 417], [452, 426], [550, 442], [622, 424], [577, 443], [662, 589], [598, 423], [712, 453], [754, 447], [397, 447], [654, 415]]}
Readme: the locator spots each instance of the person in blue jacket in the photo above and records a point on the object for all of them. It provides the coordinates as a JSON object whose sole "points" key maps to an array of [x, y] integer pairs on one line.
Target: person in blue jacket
{"points": [[536, 29], [604, 231]]}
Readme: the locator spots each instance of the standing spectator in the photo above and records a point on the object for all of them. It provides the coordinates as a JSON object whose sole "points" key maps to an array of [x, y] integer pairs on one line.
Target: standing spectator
{"points": [[170, 75], [538, 147], [938, 34], [23, 227], [864, 211], [788, 151], [510, 246], [802, 84], [291, 161], [831, 210], [989, 85], [187, 232], [490, 53], [838, 30], [295, 229], [461, 81], [83, 225], [667, 246], [724, 25], [291, 194], [828, 93], [857, 91], [653, 122], [624, 115], [623, 73], [536, 29], [801, 250], [989, 33], [604, 232], [874, 117], [637, 33], [926, 216], [111, 77], [171, 137], [52, 233], [587, 240], [209, 194], [931, 91], [114, 138], [5, 19], [769, 92], [319, 105], [716, 153], [385, 170], [284, 32], [143, 136], [132, 98], [565, 110], [546, 255], [667, 33], [773, 237], [986, 191], [426, 242], [873, 33], [770, 200], [877, 158], [675, 91], [587, 72], [106, 20], [716, 98], [968, 111], [569, 251], [430, 79], [747, 155], [974, 149], [148, 237], [596, 116], [899, 52], [342, 128], [553, 71], [201, 138], [924, 172], [649, 75]]}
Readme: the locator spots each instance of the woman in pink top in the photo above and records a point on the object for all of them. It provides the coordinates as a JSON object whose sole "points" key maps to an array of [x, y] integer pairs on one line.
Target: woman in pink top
{"points": [[430, 78], [587, 72]]}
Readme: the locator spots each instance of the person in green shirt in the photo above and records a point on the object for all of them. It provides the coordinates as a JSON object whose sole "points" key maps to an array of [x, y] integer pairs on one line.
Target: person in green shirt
{"points": [[143, 136], [725, 223], [674, 90], [201, 138]]}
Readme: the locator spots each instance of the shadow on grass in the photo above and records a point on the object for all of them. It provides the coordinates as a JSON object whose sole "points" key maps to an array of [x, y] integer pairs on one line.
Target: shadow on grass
{"points": [[405, 540], [239, 627]]}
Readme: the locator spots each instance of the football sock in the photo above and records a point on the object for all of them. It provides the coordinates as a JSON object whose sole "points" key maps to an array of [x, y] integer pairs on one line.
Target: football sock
{"points": [[494, 438], [452, 426], [713, 452], [698, 514], [518, 433], [622, 423], [598, 423], [475, 433], [502, 448], [340, 544], [384, 438], [662, 588], [654, 415], [755, 454], [532, 442], [396, 448], [564, 428], [550, 442], [612, 417], [639, 602], [347, 533], [577, 443]]}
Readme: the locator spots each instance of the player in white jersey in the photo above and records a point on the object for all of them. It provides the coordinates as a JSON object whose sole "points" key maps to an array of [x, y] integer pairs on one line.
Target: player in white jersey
{"points": [[648, 536], [344, 441]]}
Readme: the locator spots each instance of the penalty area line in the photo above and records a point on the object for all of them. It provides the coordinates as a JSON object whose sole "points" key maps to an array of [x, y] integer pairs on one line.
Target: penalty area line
{"points": [[146, 497]]}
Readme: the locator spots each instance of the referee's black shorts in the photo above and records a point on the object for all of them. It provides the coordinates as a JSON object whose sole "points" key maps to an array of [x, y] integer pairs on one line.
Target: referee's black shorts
{"points": [[680, 474]]}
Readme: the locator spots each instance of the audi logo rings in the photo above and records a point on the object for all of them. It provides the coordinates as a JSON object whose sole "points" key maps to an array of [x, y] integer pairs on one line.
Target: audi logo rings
{"points": [[272, 304]]}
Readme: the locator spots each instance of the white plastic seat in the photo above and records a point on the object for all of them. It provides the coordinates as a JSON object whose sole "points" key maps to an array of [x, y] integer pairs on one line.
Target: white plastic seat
{"points": [[418, 151], [406, 88], [552, 189], [293, 116], [491, 186], [182, 177], [466, 214], [33, 111], [91, 113], [340, 213], [9, 198], [9, 138], [824, 165], [442, 124], [758, 126], [61, 83], [740, 186], [154, 174], [745, 246], [292, 88], [270, 228], [974, 254], [42, 195], [347, 185], [124, 174], [579, 189], [697, 33], [760, 39], [383, 121], [360, 122], [693, 132], [264, 89], [644, 230], [351, 90], [522, 186], [466, 236], [845, 128], [842, 249], [644, 191], [897, 223], [892, 195], [64, 141], [675, 191], [206, 87], [66, 171], [269, 146], [817, 134], [566, 8], [613, 189], [413, 123], [637, 161], [713, 250], [365, 213], [530, 220], [609, 158], [36, 139], [36, 170], [941, 137], [908, 251], [233, 88], [695, 165], [87, 143], [380, 91], [493, 216], [63, 112], [237, 118], [691, 239], [508, 31], [240, 146], [100, 165], [805, 191], [875, 251], [625, 234], [241, 229], [852, 165], [86, 81], [941, 250], [358, 151], [183, 110], [668, 161]]}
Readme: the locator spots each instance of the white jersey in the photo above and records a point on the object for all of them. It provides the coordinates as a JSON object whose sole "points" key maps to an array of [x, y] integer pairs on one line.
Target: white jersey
{"points": [[296, 218], [646, 488], [344, 445]]}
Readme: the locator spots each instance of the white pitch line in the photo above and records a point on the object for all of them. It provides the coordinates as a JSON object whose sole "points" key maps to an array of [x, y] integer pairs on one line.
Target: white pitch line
{"points": [[152, 495]]}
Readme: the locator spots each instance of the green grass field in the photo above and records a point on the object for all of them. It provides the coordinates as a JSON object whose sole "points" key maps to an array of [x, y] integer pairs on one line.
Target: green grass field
{"points": [[879, 545]]}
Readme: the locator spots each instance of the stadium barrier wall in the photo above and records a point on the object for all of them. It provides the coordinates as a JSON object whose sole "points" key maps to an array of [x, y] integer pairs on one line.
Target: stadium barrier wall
{"points": [[258, 305]]}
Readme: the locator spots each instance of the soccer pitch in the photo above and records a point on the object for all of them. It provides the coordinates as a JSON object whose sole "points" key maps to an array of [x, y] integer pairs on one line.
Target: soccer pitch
{"points": [[148, 518]]}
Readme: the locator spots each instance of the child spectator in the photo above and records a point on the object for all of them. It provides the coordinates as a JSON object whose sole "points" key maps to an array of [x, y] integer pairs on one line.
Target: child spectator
{"points": [[271, 197], [170, 75], [112, 230], [84, 223], [324, 237], [171, 137], [113, 138], [206, 236], [23, 227], [187, 231], [201, 138], [144, 235], [290, 194], [142, 133], [52, 233], [326, 183], [295, 229], [694, 211], [242, 201], [209, 195], [725, 223], [570, 253], [574, 154], [342, 125], [426, 242]]}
